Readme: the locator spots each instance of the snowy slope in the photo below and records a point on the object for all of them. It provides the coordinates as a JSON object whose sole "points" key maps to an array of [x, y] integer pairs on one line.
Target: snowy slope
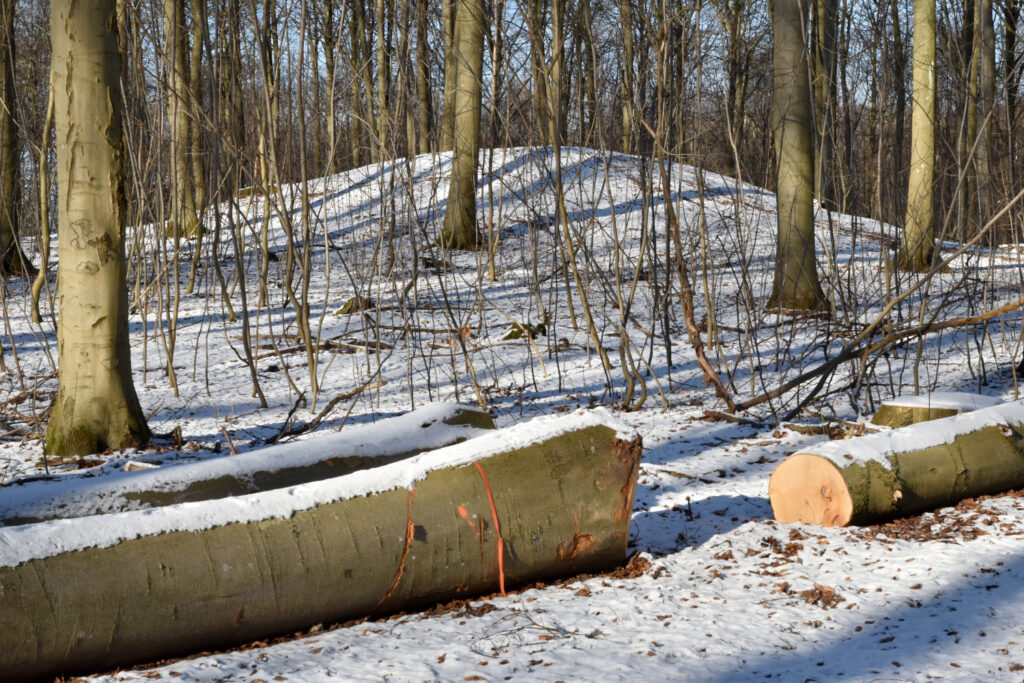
{"points": [[729, 594]]}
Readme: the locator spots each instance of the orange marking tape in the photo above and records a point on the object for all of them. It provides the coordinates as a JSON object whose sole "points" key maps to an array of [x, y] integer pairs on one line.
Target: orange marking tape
{"points": [[497, 529]]}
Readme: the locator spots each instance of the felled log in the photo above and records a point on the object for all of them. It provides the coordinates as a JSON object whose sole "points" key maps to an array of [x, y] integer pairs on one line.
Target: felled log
{"points": [[907, 410], [904, 471], [356, 448], [547, 498]]}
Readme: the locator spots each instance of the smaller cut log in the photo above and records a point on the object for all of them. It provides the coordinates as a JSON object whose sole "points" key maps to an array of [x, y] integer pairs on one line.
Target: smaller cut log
{"points": [[907, 410], [356, 448], [902, 472]]}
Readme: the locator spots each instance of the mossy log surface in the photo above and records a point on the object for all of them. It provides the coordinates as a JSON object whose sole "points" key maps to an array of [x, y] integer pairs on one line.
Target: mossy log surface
{"points": [[157, 488], [905, 411], [828, 490], [563, 506], [895, 416]]}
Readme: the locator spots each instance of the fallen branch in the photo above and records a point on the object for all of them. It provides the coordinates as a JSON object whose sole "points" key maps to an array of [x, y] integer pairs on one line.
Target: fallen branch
{"points": [[891, 340], [854, 348]]}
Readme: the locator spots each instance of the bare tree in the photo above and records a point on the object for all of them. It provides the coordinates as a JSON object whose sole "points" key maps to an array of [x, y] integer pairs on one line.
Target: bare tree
{"points": [[796, 284], [917, 243], [96, 406], [460, 229]]}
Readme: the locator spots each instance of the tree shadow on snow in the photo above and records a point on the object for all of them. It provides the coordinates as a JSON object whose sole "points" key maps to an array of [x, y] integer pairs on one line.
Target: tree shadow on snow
{"points": [[662, 532]]}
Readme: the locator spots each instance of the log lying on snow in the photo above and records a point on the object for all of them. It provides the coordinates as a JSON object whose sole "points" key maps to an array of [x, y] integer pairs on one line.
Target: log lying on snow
{"points": [[356, 448], [908, 410], [902, 472], [547, 498]]}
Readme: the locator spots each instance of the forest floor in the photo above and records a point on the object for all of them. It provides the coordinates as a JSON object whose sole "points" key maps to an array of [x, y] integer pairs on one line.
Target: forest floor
{"points": [[717, 590]]}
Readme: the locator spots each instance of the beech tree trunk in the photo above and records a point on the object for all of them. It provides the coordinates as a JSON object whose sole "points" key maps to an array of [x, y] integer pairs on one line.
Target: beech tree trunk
{"points": [[183, 202], [12, 259], [626, 19], [917, 242], [447, 136], [96, 406], [424, 110], [796, 285], [460, 229], [903, 472]]}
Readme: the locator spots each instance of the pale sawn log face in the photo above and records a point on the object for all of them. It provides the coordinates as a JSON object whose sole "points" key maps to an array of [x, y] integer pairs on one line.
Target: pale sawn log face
{"points": [[809, 489], [96, 406], [563, 506], [985, 461]]}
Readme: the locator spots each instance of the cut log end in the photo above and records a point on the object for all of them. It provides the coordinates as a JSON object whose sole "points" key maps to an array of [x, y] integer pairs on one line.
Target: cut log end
{"points": [[810, 489]]}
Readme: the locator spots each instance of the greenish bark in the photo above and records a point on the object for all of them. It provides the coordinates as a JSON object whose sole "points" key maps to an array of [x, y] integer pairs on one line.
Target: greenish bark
{"points": [[626, 19], [195, 83], [560, 507], [984, 461], [451, 68], [460, 229], [184, 221], [96, 406], [328, 36], [796, 285], [538, 39], [917, 242], [824, 86], [894, 415], [12, 258], [424, 109], [986, 48], [362, 114], [383, 79], [231, 116]]}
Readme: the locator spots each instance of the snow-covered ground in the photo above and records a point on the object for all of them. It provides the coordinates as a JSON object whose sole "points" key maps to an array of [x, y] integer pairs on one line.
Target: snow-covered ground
{"points": [[719, 591]]}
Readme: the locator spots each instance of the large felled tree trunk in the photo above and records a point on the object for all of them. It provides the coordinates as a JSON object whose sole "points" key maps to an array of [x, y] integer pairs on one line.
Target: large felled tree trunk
{"points": [[460, 230], [917, 243], [796, 285], [96, 406], [12, 259], [552, 498]]}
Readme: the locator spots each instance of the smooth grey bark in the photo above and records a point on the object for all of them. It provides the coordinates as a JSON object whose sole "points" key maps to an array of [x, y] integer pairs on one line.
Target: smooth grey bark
{"points": [[424, 108], [460, 229], [626, 19], [96, 406], [917, 242], [183, 203], [796, 285], [12, 259]]}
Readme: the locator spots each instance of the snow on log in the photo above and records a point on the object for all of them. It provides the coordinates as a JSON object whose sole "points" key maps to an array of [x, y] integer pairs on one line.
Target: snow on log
{"points": [[275, 467], [546, 498], [907, 410], [903, 471]]}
